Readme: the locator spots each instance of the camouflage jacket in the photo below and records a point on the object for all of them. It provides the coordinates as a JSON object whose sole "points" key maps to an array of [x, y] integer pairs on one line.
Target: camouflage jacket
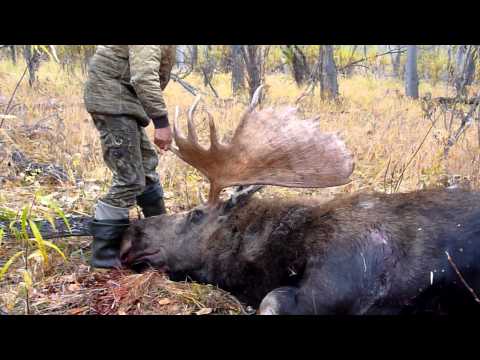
{"points": [[129, 80]]}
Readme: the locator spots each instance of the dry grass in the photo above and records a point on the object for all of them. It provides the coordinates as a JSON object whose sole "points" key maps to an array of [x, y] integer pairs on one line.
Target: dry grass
{"points": [[382, 128]]}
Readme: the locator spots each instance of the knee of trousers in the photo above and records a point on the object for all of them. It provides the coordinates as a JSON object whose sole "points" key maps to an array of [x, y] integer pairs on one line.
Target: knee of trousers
{"points": [[150, 195], [124, 195]]}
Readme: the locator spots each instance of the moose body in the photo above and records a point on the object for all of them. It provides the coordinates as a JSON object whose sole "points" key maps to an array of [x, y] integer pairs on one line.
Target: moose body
{"points": [[364, 254]]}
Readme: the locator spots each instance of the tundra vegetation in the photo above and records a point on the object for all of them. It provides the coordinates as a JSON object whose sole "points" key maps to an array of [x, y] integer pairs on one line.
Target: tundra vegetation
{"points": [[409, 114]]}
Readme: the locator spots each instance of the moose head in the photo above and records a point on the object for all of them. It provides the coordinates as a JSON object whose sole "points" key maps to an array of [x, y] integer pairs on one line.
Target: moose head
{"points": [[269, 147]]}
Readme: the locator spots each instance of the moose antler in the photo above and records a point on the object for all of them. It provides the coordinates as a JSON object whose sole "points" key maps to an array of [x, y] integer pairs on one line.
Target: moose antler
{"points": [[269, 147]]}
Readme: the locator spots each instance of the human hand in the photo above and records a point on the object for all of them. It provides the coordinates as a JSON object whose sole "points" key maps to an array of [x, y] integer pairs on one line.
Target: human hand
{"points": [[163, 138]]}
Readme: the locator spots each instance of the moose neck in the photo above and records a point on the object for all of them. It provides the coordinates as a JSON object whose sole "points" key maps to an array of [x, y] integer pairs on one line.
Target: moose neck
{"points": [[240, 253]]}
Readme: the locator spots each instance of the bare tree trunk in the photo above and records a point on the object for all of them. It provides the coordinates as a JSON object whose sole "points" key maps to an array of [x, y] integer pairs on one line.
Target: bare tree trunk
{"points": [[328, 73], [208, 67], [194, 55], [365, 55], [32, 58], [396, 62], [238, 72], [254, 57], [465, 68], [88, 54], [13, 51], [449, 64], [349, 69], [411, 74], [298, 63], [180, 56]]}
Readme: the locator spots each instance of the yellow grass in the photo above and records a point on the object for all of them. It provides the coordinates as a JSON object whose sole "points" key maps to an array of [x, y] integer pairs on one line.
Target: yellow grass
{"points": [[378, 124], [381, 127]]}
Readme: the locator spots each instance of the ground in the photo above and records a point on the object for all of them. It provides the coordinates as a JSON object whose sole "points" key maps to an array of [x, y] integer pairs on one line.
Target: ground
{"points": [[398, 146]]}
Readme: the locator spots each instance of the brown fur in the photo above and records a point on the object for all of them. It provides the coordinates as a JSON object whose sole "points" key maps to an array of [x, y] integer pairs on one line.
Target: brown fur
{"points": [[366, 253]]}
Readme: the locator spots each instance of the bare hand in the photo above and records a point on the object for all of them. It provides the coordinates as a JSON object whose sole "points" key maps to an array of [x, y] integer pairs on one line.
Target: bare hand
{"points": [[163, 138]]}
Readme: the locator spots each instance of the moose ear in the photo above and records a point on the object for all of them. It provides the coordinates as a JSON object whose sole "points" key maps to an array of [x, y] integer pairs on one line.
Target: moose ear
{"points": [[241, 195]]}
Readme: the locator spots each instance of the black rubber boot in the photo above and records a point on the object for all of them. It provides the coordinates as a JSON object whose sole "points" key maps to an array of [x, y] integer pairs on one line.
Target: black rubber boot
{"points": [[151, 201], [107, 237]]}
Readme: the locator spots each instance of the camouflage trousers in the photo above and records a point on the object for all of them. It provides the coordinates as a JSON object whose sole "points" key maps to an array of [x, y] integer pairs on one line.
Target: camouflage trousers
{"points": [[129, 155]]}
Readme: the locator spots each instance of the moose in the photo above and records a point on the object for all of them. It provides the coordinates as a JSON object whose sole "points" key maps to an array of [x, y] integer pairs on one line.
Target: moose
{"points": [[366, 253]]}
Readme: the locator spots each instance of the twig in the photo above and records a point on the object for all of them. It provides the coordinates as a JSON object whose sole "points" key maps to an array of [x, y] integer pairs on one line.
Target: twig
{"points": [[461, 277], [372, 57], [400, 179], [209, 82], [7, 110], [466, 122], [190, 88], [385, 176]]}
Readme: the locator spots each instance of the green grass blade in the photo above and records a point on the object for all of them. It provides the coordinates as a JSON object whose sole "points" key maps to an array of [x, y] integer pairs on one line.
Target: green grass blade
{"points": [[24, 222], [60, 213], [27, 278], [55, 247], [2, 232], [34, 255], [9, 263], [39, 240], [7, 214], [51, 220], [13, 230]]}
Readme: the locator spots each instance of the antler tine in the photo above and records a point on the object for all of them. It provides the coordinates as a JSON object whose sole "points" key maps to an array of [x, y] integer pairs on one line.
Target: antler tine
{"points": [[177, 133], [177, 113], [251, 107], [214, 144], [255, 98], [192, 133], [269, 147]]}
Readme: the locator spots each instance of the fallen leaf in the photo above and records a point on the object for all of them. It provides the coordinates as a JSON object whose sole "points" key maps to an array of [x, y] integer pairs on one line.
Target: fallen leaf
{"points": [[164, 301], [204, 311], [68, 278], [73, 287], [78, 311], [121, 312]]}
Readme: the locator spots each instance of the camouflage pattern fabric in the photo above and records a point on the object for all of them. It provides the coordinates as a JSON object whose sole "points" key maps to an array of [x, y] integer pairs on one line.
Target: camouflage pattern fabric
{"points": [[129, 155], [129, 80]]}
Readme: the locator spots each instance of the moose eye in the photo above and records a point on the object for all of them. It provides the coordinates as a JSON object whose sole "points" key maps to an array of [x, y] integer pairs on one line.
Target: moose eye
{"points": [[196, 216]]}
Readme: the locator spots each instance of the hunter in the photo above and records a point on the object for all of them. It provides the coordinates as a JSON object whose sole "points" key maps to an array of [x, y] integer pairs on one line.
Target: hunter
{"points": [[123, 93]]}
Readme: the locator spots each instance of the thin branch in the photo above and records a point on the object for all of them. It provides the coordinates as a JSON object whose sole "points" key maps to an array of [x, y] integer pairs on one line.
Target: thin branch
{"points": [[466, 122], [396, 51], [7, 110], [400, 179], [462, 278], [385, 176], [190, 88], [209, 82]]}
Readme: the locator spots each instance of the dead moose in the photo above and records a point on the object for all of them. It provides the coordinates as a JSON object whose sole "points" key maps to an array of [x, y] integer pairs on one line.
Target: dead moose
{"points": [[364, 254]]}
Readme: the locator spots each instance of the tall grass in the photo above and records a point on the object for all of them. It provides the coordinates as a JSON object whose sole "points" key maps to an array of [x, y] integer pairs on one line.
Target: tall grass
{"points": [[380, 126]]}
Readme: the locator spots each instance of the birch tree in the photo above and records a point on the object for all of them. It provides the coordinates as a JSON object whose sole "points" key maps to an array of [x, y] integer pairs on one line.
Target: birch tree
{"points": [[328, 73], [238, 71], [254, 57], [395, 60], [465, 68], [411, 73], [297, 61], [32, 58]]}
